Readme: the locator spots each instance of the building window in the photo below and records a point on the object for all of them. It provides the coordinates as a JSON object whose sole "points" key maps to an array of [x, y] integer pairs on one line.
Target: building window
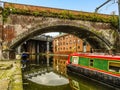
{"points": [[66, 48], [59, 43], [74, 41], [78, 40], [75, 59], [70, 42], [91, 62], [78, 47], [63, 43], [114, 66], [63, 38]]}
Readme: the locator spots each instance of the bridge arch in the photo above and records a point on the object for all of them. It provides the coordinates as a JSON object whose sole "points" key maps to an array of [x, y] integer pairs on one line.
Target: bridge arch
{"points": [[67, 26]]}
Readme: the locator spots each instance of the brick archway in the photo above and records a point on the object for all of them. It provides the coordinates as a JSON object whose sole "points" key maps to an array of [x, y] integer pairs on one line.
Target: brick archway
{"points": [[67, 26]]}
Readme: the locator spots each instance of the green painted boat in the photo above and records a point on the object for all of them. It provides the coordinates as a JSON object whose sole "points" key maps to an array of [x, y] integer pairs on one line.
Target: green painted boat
{"points": [[103, 68]]}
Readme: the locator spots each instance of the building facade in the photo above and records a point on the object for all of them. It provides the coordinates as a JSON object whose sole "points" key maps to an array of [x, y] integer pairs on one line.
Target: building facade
{"points": [[67, 43]]}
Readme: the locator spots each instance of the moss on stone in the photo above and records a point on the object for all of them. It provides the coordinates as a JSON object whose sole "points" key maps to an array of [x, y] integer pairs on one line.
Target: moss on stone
{"points": [[65, 14], [13, 75]]}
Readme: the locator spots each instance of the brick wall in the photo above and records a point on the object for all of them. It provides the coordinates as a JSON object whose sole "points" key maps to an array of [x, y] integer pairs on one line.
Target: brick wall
{"points": [[68, 43]]}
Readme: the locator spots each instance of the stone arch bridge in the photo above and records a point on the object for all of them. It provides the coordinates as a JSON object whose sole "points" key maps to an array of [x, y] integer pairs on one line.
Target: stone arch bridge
{"points": [[22, 22]]}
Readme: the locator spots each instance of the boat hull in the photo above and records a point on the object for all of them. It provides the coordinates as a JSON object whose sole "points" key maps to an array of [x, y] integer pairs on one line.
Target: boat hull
{"points": [[94, 74]]}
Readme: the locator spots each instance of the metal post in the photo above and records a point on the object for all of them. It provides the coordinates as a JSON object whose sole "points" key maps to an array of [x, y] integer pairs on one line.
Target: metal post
{"points": [[48, 44], [19, 50], [119, 15], [48, 61], [38, 48], [119, 25]]}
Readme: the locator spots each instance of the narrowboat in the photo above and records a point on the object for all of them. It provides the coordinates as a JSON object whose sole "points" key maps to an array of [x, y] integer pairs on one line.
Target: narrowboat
{"points": [[103, 68]]}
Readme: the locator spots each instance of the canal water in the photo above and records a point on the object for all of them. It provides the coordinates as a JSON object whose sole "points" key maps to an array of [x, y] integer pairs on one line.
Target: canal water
{"points": [[49, 73]]}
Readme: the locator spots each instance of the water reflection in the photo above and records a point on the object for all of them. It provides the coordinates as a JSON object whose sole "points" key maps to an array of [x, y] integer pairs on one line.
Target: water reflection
{"points": [[48, 80], [82, 83], [42, 76], [59, 64], [49, 73]]}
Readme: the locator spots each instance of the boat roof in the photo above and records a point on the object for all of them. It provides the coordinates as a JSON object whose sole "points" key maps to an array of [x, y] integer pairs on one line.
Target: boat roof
{"points": [[90, 55]]}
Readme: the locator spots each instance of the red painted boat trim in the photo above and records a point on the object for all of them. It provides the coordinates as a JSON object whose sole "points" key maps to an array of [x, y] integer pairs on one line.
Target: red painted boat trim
{"points": [[94, 69], [106, 57]]}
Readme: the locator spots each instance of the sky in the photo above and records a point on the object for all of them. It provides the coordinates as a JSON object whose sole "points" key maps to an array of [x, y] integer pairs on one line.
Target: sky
{"points": [[79, 5]]}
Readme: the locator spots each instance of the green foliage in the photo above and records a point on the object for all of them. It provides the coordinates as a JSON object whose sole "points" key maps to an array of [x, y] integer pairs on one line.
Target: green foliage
{"points": [[36, 13], [5, 13], [71, 16], [114, 21], [65, 14]]}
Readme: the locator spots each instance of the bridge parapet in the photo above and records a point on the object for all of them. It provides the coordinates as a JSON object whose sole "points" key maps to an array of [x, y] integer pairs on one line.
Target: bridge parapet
{"points": [[59, 13]]}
